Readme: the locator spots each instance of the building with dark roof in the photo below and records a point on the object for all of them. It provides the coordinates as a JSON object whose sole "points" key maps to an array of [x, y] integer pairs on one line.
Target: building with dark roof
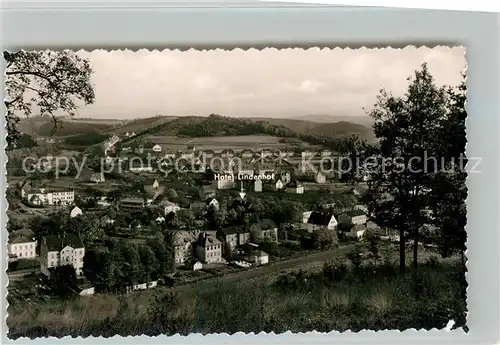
{"points": [[234, 236], [354, 217], [208, 249], [65, 249], [320, 220], [21, 246], [132, 204]]}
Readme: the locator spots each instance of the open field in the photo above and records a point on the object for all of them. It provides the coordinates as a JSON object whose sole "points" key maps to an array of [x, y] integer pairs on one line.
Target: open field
{"points": [[228, 142], [260, 299], [111, 122]]}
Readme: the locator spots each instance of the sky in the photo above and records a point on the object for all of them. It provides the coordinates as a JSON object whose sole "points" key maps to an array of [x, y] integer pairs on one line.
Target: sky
{"points": [[269, 83]]}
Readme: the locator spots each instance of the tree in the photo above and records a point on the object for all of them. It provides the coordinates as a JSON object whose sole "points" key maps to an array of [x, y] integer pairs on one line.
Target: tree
{"points": [[449, 191], [354, 256], [149, 263], [64, 279], [172, 195], [45, 82], [401, 173], [373, 249], [86, 226], [325, 239]]}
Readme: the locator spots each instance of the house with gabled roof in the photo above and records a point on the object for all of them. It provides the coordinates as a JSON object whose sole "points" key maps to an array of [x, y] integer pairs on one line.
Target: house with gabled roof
{"points": [[65, 249], [208, 249], [234, 236], [354, 217], [97, 177], [212, 203], [21, 245], [75, 212], [295, 187], [208, 191], [319, 220], [183, 246], [264, 231]]}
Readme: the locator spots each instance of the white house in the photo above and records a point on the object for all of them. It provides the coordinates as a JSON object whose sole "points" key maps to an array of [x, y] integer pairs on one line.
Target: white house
{"points": [[212, 202], [320, 220], [278, 185], [141, 169], [361, 208], [357, 231], [75, 211], [295, 187], [103, 202], [197, 266], [97, 177], [21, 247], [258, 257], [183, 246], [305, 216], [320, 177], [156, 184], [209, 249], [45, 196], [257, 185], [157, 148], [170, 207], [286, 177], [308, 154], [55, 251], [87, 291], [264, 230], [355, 217], [225, 181]]}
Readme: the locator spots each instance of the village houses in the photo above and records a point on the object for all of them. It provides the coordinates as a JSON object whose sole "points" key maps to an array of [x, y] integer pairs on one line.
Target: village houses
{"points": [[295, 187], [320, 178], [170, 207], [183, 246], [265, 231], [21, 246], [132, 204], [314, 220], [212, 203], [235, 236], [355, 217], [48, 196], [97, 177], [257, 185], [55, 251], [208, 249], [75, 212]]}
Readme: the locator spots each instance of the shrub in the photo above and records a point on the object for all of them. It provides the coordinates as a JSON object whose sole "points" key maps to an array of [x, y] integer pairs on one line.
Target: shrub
{"points": [[335, 271]]}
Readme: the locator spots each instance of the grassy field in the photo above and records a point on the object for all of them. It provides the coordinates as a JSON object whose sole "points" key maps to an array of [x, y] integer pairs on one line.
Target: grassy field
{"points": [[111, 122], [369, 297]]}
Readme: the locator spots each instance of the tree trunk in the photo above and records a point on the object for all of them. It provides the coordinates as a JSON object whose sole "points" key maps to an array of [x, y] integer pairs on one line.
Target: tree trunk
{"points": [[415, 250], [402, 253]]}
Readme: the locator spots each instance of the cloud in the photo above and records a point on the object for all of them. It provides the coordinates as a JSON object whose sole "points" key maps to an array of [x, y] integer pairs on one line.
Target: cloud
{"points": [[270, 82]]}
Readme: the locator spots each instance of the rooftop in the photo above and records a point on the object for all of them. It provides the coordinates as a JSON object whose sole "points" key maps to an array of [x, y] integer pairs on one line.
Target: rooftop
{"points": [[234, 230], [320, 218], [355, 213], [57, 243]]}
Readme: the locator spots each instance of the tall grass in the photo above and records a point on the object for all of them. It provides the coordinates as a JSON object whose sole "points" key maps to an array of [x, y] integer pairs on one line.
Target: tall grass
{"points": [[368, 297]]}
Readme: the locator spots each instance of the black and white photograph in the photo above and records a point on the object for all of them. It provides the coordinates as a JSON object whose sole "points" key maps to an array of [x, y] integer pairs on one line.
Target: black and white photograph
{"points": [[223, 191]]}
